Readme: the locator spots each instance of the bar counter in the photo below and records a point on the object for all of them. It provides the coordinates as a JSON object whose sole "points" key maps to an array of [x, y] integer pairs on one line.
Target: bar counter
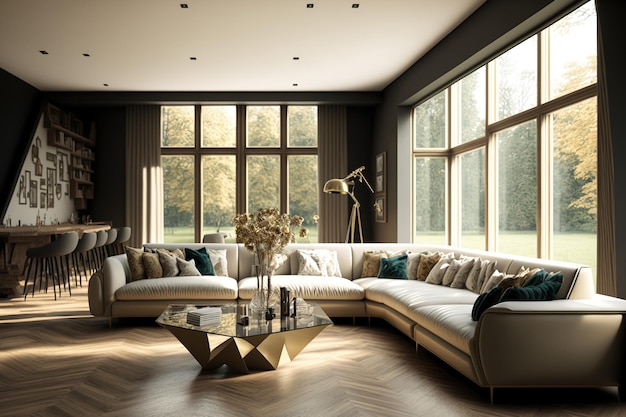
{"points": [[15, 241]]}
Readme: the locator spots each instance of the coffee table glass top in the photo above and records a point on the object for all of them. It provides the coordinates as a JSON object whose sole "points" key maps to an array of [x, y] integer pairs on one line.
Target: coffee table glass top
{"points": [[227, 324]]}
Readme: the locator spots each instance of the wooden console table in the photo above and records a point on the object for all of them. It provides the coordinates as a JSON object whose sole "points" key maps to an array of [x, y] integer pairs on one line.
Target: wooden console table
{"points": [[15, 241]]}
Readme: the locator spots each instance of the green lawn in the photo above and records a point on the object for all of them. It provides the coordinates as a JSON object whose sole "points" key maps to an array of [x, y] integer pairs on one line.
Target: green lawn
{"points": [[185, 234]]}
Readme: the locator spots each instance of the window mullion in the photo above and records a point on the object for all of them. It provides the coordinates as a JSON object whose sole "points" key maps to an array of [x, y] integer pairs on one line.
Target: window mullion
{"points": [[198, 183]]}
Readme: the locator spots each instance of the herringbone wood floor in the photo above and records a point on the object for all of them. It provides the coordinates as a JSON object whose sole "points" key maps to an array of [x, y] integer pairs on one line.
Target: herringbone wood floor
{"points": [[57, 360]]}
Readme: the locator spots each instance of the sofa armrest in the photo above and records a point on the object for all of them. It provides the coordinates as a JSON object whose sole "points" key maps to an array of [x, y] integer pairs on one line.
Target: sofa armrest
{"points": [[115, 273], [552, 343]]}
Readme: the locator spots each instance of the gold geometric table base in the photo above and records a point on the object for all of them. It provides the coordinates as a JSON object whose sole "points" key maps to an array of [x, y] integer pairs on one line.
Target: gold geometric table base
{"points": [[260, 352]]}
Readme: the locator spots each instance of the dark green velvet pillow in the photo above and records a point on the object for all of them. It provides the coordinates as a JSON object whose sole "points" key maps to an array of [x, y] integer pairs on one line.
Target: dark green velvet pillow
{"points": [[394, 267], [486, 300], [546, 291], [201, 259]]}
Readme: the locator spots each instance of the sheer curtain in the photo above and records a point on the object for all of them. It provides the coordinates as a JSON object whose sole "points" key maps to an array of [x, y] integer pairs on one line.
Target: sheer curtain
{"points": [[606, 271], [144, 183], [332, 151]]}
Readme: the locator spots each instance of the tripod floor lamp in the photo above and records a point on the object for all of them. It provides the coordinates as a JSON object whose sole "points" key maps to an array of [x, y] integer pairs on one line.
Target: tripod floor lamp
{"points": [[346, 186]]}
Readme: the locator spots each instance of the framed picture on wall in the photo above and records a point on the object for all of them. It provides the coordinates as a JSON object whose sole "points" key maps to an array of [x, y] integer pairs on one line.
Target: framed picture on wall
{"points": [[42, 200], [21, 191], [380, 209], [32, 192]]}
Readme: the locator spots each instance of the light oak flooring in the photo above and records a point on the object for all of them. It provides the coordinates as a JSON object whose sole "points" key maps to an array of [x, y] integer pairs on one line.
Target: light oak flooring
{"points": [[58, 360]]}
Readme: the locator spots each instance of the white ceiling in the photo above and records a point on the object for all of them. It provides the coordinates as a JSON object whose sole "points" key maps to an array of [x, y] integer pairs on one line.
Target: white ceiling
{"points": [[240, 45]]}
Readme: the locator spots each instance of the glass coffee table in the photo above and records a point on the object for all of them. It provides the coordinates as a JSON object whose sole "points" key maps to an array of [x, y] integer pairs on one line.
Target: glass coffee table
{"points": [[260, 345]]}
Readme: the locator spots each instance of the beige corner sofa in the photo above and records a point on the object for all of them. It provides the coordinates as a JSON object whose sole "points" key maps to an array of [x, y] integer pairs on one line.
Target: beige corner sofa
{"points": [[576, 340]]}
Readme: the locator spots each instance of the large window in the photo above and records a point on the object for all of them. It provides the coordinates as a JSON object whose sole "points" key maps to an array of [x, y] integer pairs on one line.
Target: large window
{"points": [[222, 160], [505, 158]]}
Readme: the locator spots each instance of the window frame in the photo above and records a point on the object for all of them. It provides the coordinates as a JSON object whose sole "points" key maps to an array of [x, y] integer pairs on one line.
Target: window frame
{"points": [[241, 152]]}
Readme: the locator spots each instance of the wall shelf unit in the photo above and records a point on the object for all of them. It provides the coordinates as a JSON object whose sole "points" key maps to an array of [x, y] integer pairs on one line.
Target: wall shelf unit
{"points": [[66, 131]]}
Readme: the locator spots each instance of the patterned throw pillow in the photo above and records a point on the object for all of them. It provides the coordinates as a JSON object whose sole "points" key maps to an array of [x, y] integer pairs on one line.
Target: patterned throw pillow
{"points": [[135, 263], [320, 262], [371, 263], [495, 279], [168, 263], [427, 262], [152, 265], [187, 268], [218, 259]]}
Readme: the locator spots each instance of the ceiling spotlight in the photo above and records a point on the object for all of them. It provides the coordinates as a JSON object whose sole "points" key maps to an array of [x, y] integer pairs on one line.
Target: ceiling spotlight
{"points": [[86, 55], [296, 58], [42, 52], [309, 5], [193, 58], [295, 84], [184, 6], [105, 84], [355, 5]]}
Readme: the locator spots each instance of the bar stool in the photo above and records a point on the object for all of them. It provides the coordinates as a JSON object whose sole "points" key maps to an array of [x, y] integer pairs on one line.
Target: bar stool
{"points": [[48, 260], [96, 254], [80, 256], [123, 236], [108, 246]]}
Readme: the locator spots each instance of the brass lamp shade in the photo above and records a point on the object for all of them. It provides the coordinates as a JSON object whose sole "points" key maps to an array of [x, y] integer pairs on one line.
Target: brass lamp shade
{"points": [[338, 185]]}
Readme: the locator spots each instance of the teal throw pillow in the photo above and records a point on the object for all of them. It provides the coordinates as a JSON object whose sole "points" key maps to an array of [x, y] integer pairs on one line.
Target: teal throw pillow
{"points": [[546, 291], [201, 259], [486, 300], [394, 267]]}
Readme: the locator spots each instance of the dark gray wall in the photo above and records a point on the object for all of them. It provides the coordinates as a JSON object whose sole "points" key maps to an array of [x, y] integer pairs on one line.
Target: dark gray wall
{"points": [[20, 106]]}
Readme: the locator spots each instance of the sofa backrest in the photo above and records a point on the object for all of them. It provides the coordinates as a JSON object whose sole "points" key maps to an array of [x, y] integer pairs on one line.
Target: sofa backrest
{"points": [[290, 265], [577, 278], [232, 252]]}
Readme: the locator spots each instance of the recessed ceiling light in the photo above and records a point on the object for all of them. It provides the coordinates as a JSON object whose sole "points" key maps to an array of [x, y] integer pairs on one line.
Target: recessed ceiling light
{"points": [[184, 6], [193, 58], [42, 52], [309, 5], [105, 84], [86, 55], [296, 58], [295, 84], [355, 5]]}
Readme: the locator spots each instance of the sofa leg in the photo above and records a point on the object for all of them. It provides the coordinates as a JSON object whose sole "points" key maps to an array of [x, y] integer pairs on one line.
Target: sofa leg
{"points": [[491, 394]]}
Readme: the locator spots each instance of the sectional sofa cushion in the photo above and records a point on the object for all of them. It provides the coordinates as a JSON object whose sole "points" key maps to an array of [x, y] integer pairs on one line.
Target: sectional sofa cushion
{"points": [[179, 288], [310, 288]]}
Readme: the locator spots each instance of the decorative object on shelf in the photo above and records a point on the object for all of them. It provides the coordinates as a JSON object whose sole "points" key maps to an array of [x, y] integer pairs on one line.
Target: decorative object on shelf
{"points": [[346, 186], [266, 234]]}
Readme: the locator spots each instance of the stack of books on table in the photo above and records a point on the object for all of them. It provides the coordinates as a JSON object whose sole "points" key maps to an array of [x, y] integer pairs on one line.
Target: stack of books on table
{"points": [[205, 316]]}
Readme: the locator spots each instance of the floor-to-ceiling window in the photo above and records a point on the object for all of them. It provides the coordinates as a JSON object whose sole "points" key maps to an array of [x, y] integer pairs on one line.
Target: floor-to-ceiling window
{"points": [[505, 158], [220, 160]]}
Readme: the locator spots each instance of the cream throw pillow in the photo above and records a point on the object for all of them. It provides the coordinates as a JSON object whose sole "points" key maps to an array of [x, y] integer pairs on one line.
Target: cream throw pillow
{"points": [[321, 262], [187, 268], [168, 262], [435, 276], [218, 259]]}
